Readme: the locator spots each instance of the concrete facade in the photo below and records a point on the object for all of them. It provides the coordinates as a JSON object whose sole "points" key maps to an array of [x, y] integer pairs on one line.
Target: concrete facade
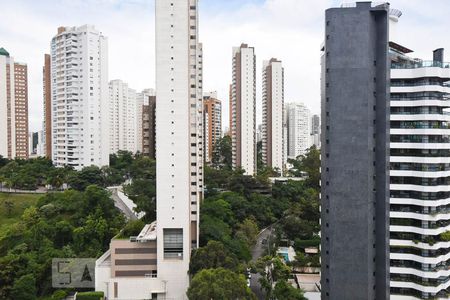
{"points": [[298, 129], [148, 127], [122, 117], [212, 122], [273, 106], [243, 109], [13, 107], [80, 97], [179, 138], [355, 153]]}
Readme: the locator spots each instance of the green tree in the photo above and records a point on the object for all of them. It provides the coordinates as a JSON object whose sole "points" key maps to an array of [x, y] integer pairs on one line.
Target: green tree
{"points": [[309, 164], [87, 176], [247, 231], [222, 155], [272, 270], [24, 288], [213, 255], [9, 205], [142, 189], [284, 290], [219, 284]]}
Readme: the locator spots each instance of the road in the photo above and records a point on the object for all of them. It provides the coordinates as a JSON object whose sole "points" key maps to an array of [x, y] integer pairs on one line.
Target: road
{"points": [[257, 252], [120, 205]]}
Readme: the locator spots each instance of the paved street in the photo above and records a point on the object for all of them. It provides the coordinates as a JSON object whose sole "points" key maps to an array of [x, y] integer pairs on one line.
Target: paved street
{"points": [[122, 206], [257, 252]]}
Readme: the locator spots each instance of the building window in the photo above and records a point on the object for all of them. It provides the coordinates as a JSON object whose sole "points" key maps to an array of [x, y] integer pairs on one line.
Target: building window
{"points": [[173, 243]]}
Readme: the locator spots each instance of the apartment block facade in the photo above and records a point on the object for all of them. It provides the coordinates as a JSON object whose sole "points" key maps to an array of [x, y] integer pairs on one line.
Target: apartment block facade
{"points": [[243, 109], [212, 120], [80, 97], [420, 157], [149, 127], [13, 107], [142, 100], [355, 153], [46, 140], [123, 128], [272, 114], [298, 129]]}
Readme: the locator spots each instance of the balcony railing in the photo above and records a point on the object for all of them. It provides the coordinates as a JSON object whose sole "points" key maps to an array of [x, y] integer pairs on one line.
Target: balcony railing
{"points": [[420, 64]]}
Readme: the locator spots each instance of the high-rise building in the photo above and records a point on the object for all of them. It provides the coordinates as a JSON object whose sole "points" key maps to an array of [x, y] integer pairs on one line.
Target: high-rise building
{"points": [[13, 107], [212, 122], [157, 260], [272, 108], [355, 153], [315, 130], [80, 97], [142, 99], [122, 115], [179, 118], [420, 156], [149, 127], [298, 127], [243, 109], [47, 94]]}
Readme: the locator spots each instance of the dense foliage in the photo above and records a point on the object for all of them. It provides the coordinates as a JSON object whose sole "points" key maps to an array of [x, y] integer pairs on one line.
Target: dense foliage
{"points": [[68, 224], [217, 284], [237, 206]]}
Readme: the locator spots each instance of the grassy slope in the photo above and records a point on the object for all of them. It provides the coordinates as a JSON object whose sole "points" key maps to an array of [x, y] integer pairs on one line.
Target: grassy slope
{"points": [[20, 203]]}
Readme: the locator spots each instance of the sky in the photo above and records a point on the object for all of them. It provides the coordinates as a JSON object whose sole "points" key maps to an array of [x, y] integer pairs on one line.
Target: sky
{"points": [[290, 30]]}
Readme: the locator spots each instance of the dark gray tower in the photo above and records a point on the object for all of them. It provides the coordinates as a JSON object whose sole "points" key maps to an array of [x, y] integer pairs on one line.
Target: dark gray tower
{"points": [[355, 153]]}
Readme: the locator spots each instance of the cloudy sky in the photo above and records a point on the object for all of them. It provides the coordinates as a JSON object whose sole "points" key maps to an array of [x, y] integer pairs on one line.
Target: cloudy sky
{"points": [[290, 30]]}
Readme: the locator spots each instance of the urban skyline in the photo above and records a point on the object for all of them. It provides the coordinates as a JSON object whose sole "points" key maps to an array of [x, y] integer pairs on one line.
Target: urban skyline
{"points": [[303, 34], [374, 191]]}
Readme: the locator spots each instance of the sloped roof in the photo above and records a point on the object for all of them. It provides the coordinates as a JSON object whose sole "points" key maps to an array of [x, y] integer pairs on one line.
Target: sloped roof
{"points": [[4, 52]]}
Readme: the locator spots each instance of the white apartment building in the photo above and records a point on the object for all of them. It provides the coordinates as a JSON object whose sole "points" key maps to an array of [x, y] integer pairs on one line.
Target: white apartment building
{"points": [[243, 109], [13, 107], [163, 271], [122, 116], [273, 107], [298, 129], [420, 176], [79, 97], [142, 99]]}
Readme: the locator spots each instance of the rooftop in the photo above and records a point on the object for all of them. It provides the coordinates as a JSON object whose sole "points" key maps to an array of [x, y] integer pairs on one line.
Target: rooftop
{"points": [[4, 52]]}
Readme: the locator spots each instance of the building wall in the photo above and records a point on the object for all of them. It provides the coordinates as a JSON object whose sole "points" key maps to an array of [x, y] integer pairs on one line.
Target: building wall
{"points": [[148, 127], [4, 111], [298, 129], [273, 105], [419, 179], [123, 119], [21, 111], [47, 137], [213, 125], [13, 108], [179, 152], [243, 128], [355, 154], [80, 97]]}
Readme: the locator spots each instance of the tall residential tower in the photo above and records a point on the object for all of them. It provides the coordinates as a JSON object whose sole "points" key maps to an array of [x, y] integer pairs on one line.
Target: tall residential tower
{"points": [[80, 96], [273, 105], [298, 128], [13, 107], [122, 117], [179, 136], [212, 122], [243, 109], [420, 176], [355, 153]]}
